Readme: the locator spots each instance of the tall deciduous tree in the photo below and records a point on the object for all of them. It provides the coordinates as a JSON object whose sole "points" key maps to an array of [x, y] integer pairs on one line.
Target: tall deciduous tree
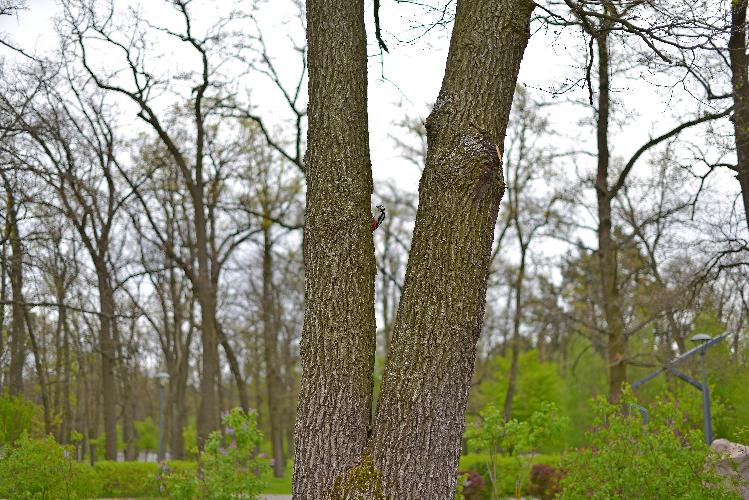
{"points": [[415, 442], [739, 63]]}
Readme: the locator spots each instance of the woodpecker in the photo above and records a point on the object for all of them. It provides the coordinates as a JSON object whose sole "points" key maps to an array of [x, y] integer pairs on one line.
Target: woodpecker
{"points": [[381, 217]]}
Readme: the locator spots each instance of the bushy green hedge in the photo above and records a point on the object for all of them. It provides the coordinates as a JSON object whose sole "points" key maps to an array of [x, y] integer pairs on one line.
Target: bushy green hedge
{"points": [[508, 470], [40, 468], [132, 479]]}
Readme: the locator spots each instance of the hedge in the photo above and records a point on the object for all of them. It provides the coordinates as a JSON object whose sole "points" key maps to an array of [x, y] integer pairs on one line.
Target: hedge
{"points": [[131, 479]]}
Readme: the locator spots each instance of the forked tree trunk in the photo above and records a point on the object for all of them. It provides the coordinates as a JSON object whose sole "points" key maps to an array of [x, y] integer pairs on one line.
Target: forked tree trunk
{"points": [[338, 336], [420, 418], [740, 84], [414, 451]]}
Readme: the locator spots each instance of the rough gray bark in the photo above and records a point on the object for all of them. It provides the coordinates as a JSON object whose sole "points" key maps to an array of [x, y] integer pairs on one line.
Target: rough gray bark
{"points": [[740, 84], [338, 336], [420, 418], [416, 442]]}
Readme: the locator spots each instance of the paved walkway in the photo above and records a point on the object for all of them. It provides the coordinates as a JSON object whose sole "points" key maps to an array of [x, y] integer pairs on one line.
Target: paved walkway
{"points": [[275, 497]]}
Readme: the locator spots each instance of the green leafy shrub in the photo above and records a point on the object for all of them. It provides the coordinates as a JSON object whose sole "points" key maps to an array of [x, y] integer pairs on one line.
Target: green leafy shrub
{"points": [[228, 466], [515, 439], [190, 437], [42, 469], [628, 459], [148, 434], [18, 415]]}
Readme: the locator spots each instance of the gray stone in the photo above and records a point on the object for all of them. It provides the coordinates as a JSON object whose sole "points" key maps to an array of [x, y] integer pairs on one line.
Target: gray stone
{"points": [[733, 464]]}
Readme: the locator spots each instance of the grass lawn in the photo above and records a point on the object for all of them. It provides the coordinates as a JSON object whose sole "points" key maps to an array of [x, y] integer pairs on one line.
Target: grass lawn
{"points": [[279, 485]]}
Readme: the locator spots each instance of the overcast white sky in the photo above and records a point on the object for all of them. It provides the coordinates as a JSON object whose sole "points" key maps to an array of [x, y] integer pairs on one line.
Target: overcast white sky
{"points": [[412, 74]]}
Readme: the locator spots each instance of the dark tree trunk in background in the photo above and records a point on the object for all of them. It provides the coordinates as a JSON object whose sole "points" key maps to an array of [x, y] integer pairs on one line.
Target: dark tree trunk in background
{"points": [[18, 326], [273, 381], [236, 371], [41, 372], [420, 419], [740, 84], [208, 410], [517, 313], [338, 336], [108, 358], [607, 259]]}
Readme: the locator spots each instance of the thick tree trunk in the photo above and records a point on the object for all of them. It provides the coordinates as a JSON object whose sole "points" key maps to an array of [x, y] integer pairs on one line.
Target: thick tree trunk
{"points": [[416, 441], [338, 336], [740, 84], [617, 343], [420, 419], [272, 368]]}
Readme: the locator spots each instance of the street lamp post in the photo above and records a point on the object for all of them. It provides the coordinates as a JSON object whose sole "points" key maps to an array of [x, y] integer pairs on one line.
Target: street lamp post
{"points": [[704, 342], [702, 338], [161, 377]]}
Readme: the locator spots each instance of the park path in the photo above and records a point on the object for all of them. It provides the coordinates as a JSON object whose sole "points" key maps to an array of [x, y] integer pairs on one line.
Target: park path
{"points": [[275, 497]]}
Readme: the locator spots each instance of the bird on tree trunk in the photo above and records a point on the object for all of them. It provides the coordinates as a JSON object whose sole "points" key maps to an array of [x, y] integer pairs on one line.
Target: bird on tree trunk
{"points": [[380, 217]]}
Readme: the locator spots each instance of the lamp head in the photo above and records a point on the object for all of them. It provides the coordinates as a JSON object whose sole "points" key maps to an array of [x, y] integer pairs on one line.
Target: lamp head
{"points": [[700, 338], [162, 377]]}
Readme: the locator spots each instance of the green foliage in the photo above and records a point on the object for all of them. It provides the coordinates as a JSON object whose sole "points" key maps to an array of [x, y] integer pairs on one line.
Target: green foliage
{"points": [[190, 437], [583, 378], [279, 485], [148, 434], [133, 479], [538, 382], [42, 469], [18, 415], [229, 467], [628, 459], [514, 438]]}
